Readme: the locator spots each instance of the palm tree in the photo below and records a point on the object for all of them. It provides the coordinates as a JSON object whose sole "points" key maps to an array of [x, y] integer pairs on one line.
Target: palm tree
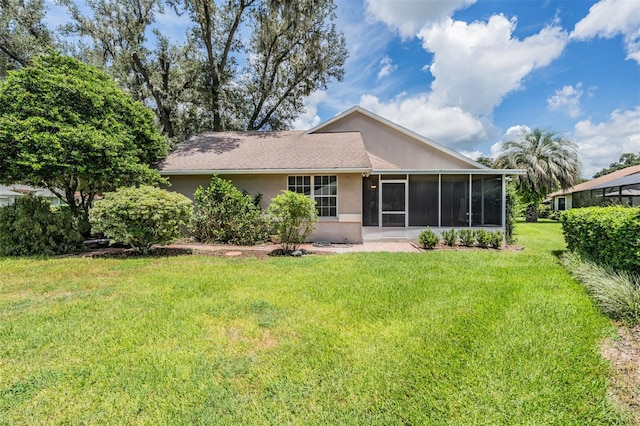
{"points": [[551, 162]]}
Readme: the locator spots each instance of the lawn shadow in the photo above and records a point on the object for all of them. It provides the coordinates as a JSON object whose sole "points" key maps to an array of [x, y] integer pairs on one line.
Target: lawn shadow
{"points": [[558, 253]]}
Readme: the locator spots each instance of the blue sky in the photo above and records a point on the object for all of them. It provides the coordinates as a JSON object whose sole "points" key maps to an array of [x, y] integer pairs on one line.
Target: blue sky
{"points": [[471, 74]]}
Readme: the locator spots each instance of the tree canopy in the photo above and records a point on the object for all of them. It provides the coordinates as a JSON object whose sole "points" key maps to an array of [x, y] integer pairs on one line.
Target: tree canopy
{"points": [[22, 33], [243, 65], [67, 127], [551, 162], [627, 159]]}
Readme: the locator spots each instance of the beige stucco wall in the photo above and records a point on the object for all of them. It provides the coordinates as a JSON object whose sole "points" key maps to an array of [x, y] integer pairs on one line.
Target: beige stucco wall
{"points": [[347, 226], [395, 147]]}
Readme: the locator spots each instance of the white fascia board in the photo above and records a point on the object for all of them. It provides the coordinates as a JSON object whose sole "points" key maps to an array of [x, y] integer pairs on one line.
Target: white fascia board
{"points": [[261, 171], [450, 172]]}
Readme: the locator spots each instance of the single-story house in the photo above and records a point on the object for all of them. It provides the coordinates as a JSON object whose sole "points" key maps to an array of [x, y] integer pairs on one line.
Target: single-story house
{"points": [[371, 178], [621, 187], [8, 194]]}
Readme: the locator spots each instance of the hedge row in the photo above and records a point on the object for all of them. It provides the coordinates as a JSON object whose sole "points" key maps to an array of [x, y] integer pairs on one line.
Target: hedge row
{"points": [[609, 236]]}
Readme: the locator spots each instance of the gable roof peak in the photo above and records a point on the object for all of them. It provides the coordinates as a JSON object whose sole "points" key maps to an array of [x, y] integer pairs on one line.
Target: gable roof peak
{"points": [[386, 122]]}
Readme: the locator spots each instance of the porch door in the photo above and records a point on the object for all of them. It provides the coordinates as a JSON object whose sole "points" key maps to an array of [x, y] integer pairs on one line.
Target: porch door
{"points": [[393, 202]]}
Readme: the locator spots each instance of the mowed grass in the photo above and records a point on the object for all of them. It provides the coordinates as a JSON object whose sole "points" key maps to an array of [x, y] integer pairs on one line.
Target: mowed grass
{"points": [[439, 337]]}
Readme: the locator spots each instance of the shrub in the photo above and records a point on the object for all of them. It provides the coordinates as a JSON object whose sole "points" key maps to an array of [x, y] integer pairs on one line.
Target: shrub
{"points": [[222, 213], [467, 237], [496, 239], [428, 239], [450, 237], [293, 219], [515, 209], [483, 237], [31, 226], [609, 236], [544, 210], [555, 215], [617, 293], [140, 217]]}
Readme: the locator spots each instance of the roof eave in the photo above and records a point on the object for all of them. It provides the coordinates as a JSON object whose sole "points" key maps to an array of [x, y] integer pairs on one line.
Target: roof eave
{"points": [[486, 171], [262, 171], [197, 172]]}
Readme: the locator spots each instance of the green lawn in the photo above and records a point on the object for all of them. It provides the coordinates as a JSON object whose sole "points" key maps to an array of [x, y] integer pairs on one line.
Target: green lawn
{"points": [[440, 337]]}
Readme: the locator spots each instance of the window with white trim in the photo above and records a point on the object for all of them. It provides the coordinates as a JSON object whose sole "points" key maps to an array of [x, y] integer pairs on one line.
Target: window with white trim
{"points": [[324, 192]]}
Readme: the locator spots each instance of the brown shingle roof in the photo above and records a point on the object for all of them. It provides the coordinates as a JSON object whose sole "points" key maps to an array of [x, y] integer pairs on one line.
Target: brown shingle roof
{"points": [[585, 186], [269, 151]]}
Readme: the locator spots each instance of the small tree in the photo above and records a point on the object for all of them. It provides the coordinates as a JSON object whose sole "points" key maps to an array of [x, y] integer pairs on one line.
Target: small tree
{"points": [[293, 218], [67, 127], [141, 216], [222, 213], [551, 162]]}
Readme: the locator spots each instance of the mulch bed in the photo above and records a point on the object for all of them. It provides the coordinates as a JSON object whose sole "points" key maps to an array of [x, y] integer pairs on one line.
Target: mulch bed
{"points": [[127, 253], [464, 248]]}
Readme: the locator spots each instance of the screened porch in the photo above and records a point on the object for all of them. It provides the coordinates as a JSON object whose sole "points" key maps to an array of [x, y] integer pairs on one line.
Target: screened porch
{"points": [[413, 201]]}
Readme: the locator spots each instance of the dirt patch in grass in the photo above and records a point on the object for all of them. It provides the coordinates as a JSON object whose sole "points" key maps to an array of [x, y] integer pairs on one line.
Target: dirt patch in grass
{"points": [[624, 354]]}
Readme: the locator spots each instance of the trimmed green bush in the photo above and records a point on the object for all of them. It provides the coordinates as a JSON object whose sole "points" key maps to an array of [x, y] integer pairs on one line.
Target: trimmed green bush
{"points": [[428, 239], [141, 217], [617, 293], [467, 237], [31, 226], [293, 217], [222, 213], [544, 210], [515, 208], [483, 237], [450, 237], [496, 239], [609, 236]]}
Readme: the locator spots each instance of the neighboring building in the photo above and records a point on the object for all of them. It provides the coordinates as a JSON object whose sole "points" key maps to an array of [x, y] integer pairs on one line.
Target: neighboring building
{"points": [[621, 187], [8, 194], [370, 178]]}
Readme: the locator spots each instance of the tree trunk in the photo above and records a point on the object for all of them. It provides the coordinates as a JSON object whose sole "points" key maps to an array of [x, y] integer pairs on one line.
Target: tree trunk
{"points": [[531, 214]]}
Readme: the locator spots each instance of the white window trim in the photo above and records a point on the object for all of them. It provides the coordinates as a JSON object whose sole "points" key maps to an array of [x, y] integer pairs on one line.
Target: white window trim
{"points": [[312, 194]]}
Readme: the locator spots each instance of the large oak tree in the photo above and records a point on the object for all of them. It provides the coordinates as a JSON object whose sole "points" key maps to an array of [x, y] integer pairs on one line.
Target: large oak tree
{"points": [[23, 33], [244, 64]]}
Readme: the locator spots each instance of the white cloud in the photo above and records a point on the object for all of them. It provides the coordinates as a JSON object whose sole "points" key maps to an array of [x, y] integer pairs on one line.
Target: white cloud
{"points": [[567, 100], [408, 16], [310, 118], [601, 144], [450, 126], [386, 67], [513, 133], [609, 18], [474, 155], [476, 65]]}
